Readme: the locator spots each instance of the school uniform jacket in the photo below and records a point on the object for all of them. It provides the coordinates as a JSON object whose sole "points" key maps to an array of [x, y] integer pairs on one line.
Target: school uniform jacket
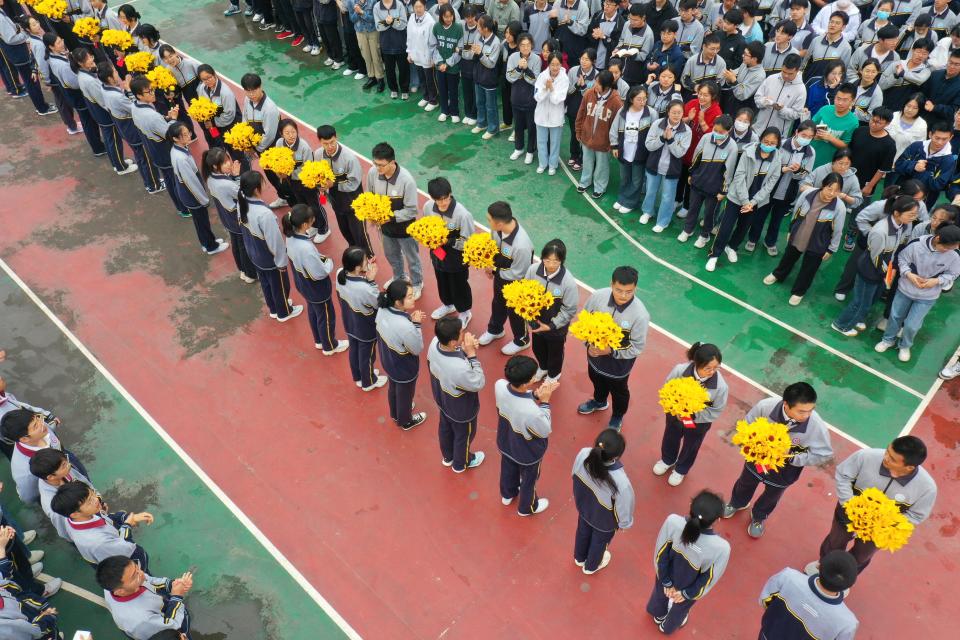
{"points": [[671, 57], [224, 190], [883, 240], [223, 97], [643, 40], [107, 17], [9, 402], [659, 98], [516, 254], [461, 225], [634, 320], [487, 62], [713, 165], [149, 610], [572, 36], [610, 41], [868, 52], [61, 72], [696, 70], [189, 185], [810, 441], [619, 132], [792, 95], [153, 131], [311, 269], [47, 491], [100, 538], [676, 147], [524, 425], [914, 493], [264, 117], [692, 569], [26, 482], [690, 37], [522, 81], [346, 168], [185, 72], [92, 91], [789, 183], [715, 385], [755, 177], [600, 506], [393, 36], [468, 61], [940, 165], [821, 51], [851, 182], [566, 296], [358, 301], [773, 58], [402, 191], [795, 609], [262, 238], [120, 107], [921, 258], [456, 380], [14, 624], [301, 153], [401, 341], [826, 235]]}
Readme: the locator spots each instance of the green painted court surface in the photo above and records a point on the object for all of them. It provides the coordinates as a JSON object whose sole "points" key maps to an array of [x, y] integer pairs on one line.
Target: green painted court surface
{"points": [[240, 589], [862, 401]]}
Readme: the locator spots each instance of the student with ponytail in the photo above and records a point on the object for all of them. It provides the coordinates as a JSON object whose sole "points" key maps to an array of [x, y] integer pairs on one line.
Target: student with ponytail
{"points": [[64, 75], [301, 194], [401, 341], [357, 290], [689, 559], [191, 189], [604, 498], [264, 243], [220, 173], [682, 438], [82, 63], [311, 275]]}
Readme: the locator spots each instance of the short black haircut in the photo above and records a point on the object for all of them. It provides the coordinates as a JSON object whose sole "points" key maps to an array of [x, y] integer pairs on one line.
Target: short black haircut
{"points": [[939, 126], [110, 572], [139, 85], [888, 31], [250, 81], [500, 211], [792, 61], [638, 10], [447, 329], [803, 4], [326, 132], [439, 187], [799, 393], [625, 275], [605, 79], [788, 27], [922, 43], [688, 4], [520, 370], [46, 462], [884, 113], [756, 49], [69, 497], [668, 25], [838, 571], [725, 121], [556, 248], [15, 424], [840, 14], [912, 448], [383, 151], [711, 38], [848, 88], [734, 16]]}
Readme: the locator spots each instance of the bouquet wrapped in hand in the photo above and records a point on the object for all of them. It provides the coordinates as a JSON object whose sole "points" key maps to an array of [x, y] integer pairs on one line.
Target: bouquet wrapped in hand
{"points": [[373, 207], [528, 299], [116, 38], [203, 109], [161, 79], [764, 443], [683, 397], [280, 160], [316, 173], [242, 137], [479, 251], [86, 28], [139, 62], [598, 329], [430, 231], [876, 518]]}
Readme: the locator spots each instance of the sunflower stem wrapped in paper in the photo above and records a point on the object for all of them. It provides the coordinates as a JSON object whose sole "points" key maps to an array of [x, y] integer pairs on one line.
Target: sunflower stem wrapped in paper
{"points": [[682, 398], [528, 299], [479, 250], [280, 160], [876, 518], [763, 443], [242, 137], [373, 207], [597, 329]]}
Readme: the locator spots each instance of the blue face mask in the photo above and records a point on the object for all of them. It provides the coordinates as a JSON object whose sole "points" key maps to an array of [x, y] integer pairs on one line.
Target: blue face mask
{"points": [[719, 138], [883, 15], [802, 141], [767, 148]]}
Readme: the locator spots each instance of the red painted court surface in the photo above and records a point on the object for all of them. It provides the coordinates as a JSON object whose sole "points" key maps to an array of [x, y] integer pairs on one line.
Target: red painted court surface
{"points": [[399, 545]]}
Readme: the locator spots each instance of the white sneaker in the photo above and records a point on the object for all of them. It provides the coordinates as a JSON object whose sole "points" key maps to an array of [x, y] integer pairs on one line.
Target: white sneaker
{"points": [[442, 117], [860, 326], [320, 237], [812, 568], [477, 129], [455, 119], [130, 169], [551, 171], [221, 246], [404, 95], [903, 355], [430, 107], [512, 348], [469, 121], [342, 346], [539, 375], [882, 346], [850, 333], [675, 479], [795, 300], [658, 229], [359, 75], [36, 556], [528, 159], [512, 137], [730, 253], [328, 62], [950, 371], [516, 154], [645, 218], [478, 458], [607, 556], [379, 382], [36, 569], [308, 47], [660, 467], [349, 72], [487, 136], [711, 264], [840, 296], [749, 247], [29, 536], [276, 204], [542, 504], [701, 242], [616, 206], [442, 310], [552, 378], [683, 237], [682, 213], [769, 279], [486, 338], [465, 318], [294, 312], [394, 95], [417, 291], [315, 51], [882, 324], [506, 501], [541, 169], [422, 103], [622, 209], [52, 587]]}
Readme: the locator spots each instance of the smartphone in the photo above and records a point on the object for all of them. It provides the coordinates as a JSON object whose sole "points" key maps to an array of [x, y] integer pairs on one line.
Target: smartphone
{"points": [[822, 127]]}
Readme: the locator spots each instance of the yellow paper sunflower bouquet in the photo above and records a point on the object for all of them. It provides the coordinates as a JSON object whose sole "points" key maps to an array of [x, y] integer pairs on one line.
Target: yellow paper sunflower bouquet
{"points": [[279, 160], [598, 329], [161, 79], [479, 251], [116, 38], [764, 443], [431, 232], [202, 109], [139, 62], [683, 397], [86, 27], [528, 299], [54, 9], [373, 207], [316, 173], [876, 518], [242, 137]]}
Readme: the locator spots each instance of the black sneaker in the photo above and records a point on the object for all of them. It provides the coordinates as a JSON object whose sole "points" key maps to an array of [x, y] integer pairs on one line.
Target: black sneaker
{"points": [[418, 418], [581, 189], [596, 195], [370, 83], [381, 85]]}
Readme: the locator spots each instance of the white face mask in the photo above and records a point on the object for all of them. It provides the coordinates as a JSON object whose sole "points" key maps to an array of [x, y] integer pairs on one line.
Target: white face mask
{"points": [[740, 126]]}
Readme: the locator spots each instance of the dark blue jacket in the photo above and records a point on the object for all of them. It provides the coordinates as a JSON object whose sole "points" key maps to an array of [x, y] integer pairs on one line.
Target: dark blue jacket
{"points": [[940, 167]]}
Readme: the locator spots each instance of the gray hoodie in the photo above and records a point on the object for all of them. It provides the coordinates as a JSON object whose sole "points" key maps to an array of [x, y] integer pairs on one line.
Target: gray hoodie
{"points": [[749, 168], [921, 258], [790, 95]]}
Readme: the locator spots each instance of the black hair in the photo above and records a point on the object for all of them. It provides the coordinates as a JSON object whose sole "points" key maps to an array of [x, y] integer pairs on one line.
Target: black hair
{"points": [[591, 53], [725, 121], [910, 187], [555, 248], [745, 110], [848, 88], [212, 159], [939, 126], [884, 113], [947, 234], [634, 91], [605, 79], [615, 62], [711, 87], [516, 30], [487, 22], [326, 131], [608, 446], [757, 50], [250, 182], [638, 11], [439, 187], [205, 68], [625, 275], [149, 32], [952, 211], [383, 151], [353, 257], [16, 424], [922, 20], [668, 25], [469, 11], [554, 46], [520, 370], [175, 129], [447, 329], [443, 10], [703, 353], [888, 31], [922, 43], [139, 85], [788, 27], [49, 39], [734, 16], [840, 154], [500, 211], [105, 71], [711, 38], [69, 497], [903, 204], [803, 4], [872, 62], [799, 393], [771, 131], [554, 55], [688, 4], [46, 462], [299, 215], [806, 125], [840, 14], [393, 294], [705, 508], [250, 81], [77, 56], [838, 571], [164, 50], [110, 571], [287, 122], [831, 178], [792, 61], [129, 12]]}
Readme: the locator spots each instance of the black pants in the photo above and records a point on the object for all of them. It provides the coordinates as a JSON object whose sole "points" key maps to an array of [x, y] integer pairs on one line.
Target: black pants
{"points": [[240, 257], [170, 180], [306, 26], [506, 101], [548, 350], [589, 544], [400, 399], [331, 41], [362, 357], [680, 445], [455, 439], [683, 187], [576, 151], [845, 284], [454, 289], [617, 388], [114, 146], [394, 64], [20, 558], [733, 227], [66, 112], [201, 223], [808, 268], [499, 314], [303, 194], [354, 57], [709, 202], [746, 486], [283, 186], [32, 86], [448, 85], [275, 284], [264, 8], [777, 211], [469, 96], [659, 607], [285, 15], [353, 231], [519, 480], [839, 539], [428, 88], [524, 124]]}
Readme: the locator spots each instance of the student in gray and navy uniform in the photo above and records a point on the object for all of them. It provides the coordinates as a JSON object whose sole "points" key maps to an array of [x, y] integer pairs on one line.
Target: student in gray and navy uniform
{"points": [[30, 432], [14, 44], [609, 369], [8, 403], [84, 65], [120, 107], [549, 330], [311, 275], [522, 433], [38, 49], [357, 290], [23, 616], [689, 559], [302, 194], [811, 447], [799, 607], [63, 75], [193, 193], [453, 283], [141, 605], [153, 131], [53, 469], [96, 534], [896, 472], [265, 246], [261, 113], [604, 498], [401, 341], [456, 378], [682, 438], [346, 186], [712, 170], [220, 173], [228, 113], [510, 264], [387, 178]]}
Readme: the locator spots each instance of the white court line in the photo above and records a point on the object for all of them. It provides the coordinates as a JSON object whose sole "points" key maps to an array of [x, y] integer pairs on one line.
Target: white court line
{"points": [[934, 388], [77, 591], [185, 457]]}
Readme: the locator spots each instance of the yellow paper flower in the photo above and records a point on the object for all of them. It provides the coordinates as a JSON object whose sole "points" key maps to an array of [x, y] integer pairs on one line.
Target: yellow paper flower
{"points": [[279, 160], [116, 38], [527, 298], [876, 518], [161, 79], [51, 8], [763, 443], [202, 109], [242, 137], [479, 250], [373, 207], [139, 62], [683, 397], [430, 231], [86, 27], [316, 173], [597, 329]]}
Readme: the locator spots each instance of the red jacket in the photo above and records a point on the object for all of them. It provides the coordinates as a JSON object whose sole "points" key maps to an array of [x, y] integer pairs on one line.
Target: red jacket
{"points": [[709, 116]]}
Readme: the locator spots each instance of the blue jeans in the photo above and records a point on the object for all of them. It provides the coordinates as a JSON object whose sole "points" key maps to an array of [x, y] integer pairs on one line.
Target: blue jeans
{"points": [[548, 146], [907, 313], [596, 169], [654, 183], [488, 116], [864, 295], [631, 184]]}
